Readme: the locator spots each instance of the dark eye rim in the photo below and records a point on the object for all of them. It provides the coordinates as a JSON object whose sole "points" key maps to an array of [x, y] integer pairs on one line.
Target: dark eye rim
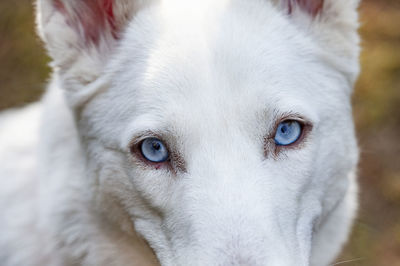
{"points": [[271, 146], [136, 151], [305, 129], [289, 121], [144, 156]]}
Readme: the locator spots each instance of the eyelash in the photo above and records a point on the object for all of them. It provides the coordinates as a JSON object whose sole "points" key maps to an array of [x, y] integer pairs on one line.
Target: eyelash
{"points": [[270, 145], [134, 149], [174, 163], [299, 139]]}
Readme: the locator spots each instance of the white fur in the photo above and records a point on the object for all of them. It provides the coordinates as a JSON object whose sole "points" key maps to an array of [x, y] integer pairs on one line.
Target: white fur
{"points": [[212, 78]]}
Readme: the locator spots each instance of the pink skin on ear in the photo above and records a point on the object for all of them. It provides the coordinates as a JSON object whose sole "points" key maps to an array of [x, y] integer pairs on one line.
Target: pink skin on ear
{"points": [[94, 17], [312, 7]]}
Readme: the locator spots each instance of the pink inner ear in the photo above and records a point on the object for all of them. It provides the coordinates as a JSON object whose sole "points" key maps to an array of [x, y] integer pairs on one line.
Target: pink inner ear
{"points": [[312, 7], [93, 17]]}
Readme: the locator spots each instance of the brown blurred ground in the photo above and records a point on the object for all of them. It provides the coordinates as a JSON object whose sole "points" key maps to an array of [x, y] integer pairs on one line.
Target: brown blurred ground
{"points": [[376, 237]]}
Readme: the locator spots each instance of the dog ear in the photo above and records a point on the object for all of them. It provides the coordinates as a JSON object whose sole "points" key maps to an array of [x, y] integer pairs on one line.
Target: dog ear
{"points": [[81, 34], [333, 23], [312, 7]]}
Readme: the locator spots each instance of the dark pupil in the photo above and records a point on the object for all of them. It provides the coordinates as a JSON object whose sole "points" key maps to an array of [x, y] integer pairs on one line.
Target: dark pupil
{"points": [[284, 129], [156, 146]]}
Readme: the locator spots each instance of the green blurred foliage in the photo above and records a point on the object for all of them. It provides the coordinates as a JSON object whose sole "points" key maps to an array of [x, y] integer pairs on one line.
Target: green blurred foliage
{"points": [[376, 236]]}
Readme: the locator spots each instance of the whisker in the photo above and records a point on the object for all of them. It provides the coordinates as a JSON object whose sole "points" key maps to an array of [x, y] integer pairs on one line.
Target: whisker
{"points": [[346, 261]]}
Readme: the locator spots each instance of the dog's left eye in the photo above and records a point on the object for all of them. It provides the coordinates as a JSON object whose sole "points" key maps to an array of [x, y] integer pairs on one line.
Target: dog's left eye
{"points": [[154, 150], [288, 132]]}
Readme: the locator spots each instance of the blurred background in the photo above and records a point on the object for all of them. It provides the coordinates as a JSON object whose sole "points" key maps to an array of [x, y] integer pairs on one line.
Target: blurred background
{"points": [[375, 240]]}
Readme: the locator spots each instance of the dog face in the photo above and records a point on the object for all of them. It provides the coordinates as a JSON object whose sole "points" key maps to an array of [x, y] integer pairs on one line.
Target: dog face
{"points": [[223, 128]]}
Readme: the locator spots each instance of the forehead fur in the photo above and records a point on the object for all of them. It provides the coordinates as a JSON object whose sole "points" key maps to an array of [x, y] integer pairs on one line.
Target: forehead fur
{"points": [[204, 60]]}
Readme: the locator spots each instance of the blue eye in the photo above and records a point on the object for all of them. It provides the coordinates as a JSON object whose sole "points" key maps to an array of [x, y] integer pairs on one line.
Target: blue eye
{"points": [[288, 132], [154, 150]]}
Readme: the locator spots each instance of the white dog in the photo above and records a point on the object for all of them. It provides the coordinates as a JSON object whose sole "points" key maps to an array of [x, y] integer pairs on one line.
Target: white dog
{"points": [[218, 132]]}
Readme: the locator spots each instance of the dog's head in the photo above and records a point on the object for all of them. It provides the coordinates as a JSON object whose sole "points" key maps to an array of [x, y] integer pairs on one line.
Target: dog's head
{"points": [[223, 128]]}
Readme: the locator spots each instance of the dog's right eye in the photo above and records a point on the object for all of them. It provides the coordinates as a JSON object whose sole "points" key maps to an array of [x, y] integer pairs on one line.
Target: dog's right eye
{"points": [[154, 150]]}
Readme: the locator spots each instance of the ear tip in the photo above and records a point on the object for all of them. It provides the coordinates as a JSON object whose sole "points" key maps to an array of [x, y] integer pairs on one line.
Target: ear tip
{"points": [[312, 7]]}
